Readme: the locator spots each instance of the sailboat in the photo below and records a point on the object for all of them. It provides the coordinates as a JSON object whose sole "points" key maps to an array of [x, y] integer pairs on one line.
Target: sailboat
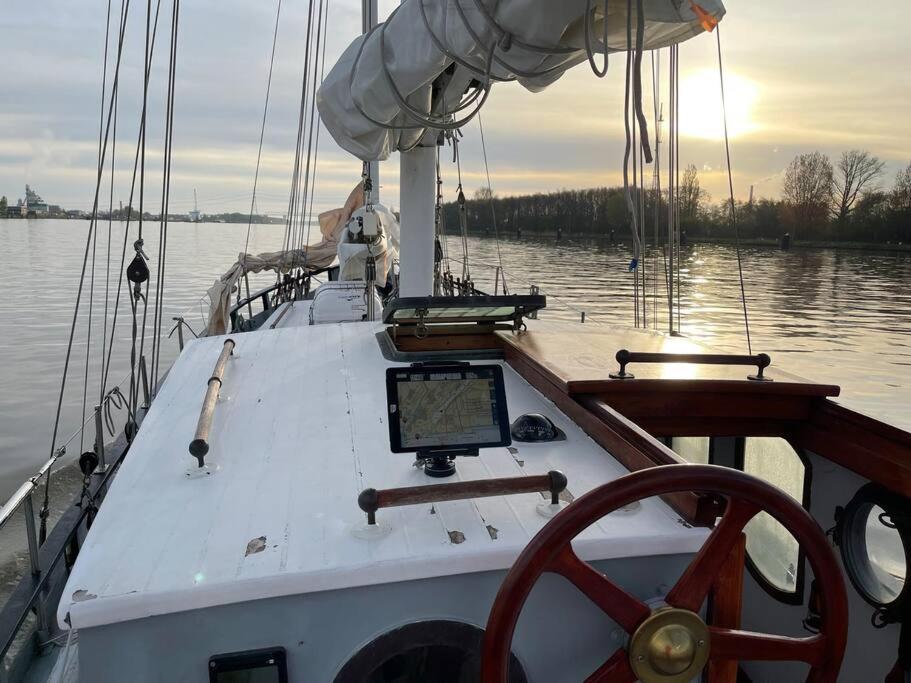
{"points": [[373, 471]]}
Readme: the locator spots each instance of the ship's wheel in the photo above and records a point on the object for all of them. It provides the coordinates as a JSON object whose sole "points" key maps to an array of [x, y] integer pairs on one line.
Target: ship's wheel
{"points": [[671, 642]]}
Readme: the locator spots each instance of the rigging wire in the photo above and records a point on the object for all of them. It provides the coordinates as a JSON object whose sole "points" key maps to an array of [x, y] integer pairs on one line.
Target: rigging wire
{"points": [[493, 213], [107, 279], [463, 218], [291, 229], [129, 217], [677, 176], [322, 75], [658, 112], [140, 255], [672, 197], [727, 151], [69, 347], [165, 196], [262, 130], [88, 342], [310, 136]]}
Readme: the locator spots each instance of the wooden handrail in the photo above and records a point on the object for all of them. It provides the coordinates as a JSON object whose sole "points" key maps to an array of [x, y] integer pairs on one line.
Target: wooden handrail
{"points": [[625, 357], [371, 500], [199, 446]]}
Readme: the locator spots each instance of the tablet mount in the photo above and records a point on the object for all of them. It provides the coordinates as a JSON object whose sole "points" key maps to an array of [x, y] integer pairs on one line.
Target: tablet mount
{"points": [[441, 462]]}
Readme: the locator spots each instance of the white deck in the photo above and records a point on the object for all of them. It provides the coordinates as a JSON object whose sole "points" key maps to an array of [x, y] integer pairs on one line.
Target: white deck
{"points": [[299, 431]]}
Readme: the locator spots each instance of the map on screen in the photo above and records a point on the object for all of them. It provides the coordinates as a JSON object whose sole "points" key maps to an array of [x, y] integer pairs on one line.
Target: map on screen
{"points": [[447, 408]]}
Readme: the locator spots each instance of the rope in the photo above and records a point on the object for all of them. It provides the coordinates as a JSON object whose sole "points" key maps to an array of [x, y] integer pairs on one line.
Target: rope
{"points": [[600, 72], [637, 247], [493, 212], [262, 129], [637, 81], [727, 151]]}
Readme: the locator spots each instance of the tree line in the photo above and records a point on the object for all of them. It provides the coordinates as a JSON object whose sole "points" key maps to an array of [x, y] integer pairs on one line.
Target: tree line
{"points": [[820, 201]]}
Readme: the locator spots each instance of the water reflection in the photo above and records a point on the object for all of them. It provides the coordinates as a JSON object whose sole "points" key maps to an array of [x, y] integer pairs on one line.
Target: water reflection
{"points": [[840, 317]]}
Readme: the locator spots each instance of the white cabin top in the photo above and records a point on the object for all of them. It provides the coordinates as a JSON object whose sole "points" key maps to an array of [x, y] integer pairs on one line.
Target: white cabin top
{"points": [[299, 431]]}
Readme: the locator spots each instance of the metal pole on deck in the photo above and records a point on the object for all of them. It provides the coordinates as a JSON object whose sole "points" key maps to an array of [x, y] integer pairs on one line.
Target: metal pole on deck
{"points": [[144, 376], [99, 441], [29, 511]]}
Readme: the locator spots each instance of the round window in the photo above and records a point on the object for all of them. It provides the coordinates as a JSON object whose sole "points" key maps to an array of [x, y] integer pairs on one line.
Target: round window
{"points": [[423, 652], [874, 532]]}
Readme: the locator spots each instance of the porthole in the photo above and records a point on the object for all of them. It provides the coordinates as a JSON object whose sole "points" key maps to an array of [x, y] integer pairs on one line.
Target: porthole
{"points": [[874, 532], [437, 651]]}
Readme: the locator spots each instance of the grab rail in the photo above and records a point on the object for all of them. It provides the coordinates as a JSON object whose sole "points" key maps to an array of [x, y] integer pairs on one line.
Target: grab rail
{"points": [[625, 357], [371, 500], [199, 446]]}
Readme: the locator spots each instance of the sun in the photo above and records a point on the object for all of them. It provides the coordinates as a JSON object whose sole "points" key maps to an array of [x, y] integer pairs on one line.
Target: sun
{"points": [[700, 105]]}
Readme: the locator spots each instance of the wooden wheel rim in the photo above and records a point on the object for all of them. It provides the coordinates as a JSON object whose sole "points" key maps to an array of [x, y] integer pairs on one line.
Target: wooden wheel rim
{"points": [[551, 550]]}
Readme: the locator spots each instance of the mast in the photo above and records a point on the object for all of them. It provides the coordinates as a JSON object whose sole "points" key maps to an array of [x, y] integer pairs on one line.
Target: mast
{"points": [[417, 199]]}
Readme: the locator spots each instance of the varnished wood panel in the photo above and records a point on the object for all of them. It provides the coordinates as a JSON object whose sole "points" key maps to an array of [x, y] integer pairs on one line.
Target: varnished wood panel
{"points": [[580, 359], [644, 452], [726, 607]]}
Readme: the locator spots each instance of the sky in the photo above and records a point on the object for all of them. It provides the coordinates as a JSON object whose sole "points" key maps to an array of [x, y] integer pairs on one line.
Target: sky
{"points": [[827, 75]]}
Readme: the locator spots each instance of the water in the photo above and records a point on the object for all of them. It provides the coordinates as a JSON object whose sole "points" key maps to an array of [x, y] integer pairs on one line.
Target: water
{"points": [[842, 317], [834, 316]]}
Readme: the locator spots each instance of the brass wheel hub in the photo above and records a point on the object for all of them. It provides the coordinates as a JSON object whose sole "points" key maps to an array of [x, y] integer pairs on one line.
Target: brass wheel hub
{"points": [[671, 646]]}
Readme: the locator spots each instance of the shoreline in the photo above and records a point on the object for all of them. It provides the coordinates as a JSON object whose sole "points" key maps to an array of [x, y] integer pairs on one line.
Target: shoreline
{"points": [[769, 242]]}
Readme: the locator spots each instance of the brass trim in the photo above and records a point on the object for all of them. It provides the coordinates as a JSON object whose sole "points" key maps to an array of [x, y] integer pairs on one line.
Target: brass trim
{"points": [[671, 646]]}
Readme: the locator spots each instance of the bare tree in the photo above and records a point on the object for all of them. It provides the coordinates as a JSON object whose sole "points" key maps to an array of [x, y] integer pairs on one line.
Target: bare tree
{"points": [[900, 197], [690, 195], [483, 194], [856, 170], [808, 189]]}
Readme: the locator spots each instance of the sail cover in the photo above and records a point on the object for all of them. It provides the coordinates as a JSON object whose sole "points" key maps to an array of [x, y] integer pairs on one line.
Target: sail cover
{"points": [[424, 58]]}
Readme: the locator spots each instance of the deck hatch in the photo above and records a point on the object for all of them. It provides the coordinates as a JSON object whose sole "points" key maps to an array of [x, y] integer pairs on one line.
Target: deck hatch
{"points": [[461, 309]]}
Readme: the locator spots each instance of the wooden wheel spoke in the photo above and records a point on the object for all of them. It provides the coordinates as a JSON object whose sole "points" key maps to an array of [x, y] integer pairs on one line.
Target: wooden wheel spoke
{"points": [[749, 646], [615, 670], [619, 605], [692, 588]]}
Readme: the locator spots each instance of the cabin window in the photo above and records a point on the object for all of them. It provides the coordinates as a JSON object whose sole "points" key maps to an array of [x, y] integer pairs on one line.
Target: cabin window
{"points": [[773, 554], [439, 651], [693, 448]]}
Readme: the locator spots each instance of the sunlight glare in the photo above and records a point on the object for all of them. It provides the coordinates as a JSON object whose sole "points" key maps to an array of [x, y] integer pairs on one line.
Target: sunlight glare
{"points": [[700, 105]]}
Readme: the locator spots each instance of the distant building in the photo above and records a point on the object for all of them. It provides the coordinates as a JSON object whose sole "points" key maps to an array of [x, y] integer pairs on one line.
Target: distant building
{"points": [[33, 205]]}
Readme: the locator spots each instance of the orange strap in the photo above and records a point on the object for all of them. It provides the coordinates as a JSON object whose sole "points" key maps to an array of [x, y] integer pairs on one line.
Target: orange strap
{"points": [[708, 21]]}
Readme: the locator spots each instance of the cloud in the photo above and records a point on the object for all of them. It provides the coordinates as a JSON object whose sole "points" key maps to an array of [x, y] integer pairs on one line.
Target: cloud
{"points": [[822, 83]]}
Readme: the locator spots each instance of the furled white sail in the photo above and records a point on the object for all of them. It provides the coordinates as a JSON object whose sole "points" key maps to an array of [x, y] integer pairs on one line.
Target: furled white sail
{"points": [[424, 58], [332, 226]]}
